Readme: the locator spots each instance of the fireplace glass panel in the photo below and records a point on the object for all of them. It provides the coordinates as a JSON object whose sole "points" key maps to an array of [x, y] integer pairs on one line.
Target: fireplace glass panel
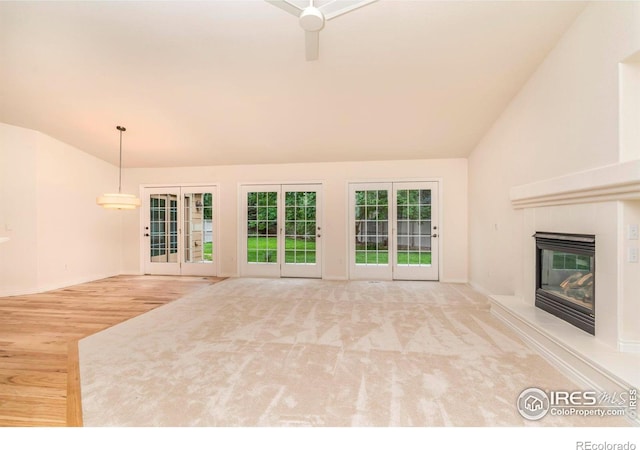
{"points": [[569, 276]]}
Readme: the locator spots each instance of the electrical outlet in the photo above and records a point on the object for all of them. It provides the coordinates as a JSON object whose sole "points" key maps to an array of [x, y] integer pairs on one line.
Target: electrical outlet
{"points": [[633, 232], [633, 254]]}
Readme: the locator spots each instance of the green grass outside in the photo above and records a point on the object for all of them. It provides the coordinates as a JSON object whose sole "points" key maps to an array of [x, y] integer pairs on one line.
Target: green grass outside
{"points": [[414, 258], [382, 257], [265, 249], [207, 251]]}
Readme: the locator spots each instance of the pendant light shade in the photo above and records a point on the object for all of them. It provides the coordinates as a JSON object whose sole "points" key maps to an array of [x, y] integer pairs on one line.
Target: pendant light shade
{"points": [[119, 200]]}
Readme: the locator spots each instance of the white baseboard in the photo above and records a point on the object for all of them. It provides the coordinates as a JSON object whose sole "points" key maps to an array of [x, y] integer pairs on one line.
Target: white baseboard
{"points": [[228, 275], [15, 292], [454, 281], [40, 288], [479, 288], [335, 278]]}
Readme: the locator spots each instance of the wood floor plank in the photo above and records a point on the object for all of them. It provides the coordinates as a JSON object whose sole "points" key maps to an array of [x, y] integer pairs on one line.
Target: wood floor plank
{"points": [[74, 393], [10, 379], [40, 409], [39, 375]]}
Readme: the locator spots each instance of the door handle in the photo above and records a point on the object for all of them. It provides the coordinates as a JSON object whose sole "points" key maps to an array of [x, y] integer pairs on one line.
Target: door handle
{"points": [[146, 234], [319, 235], [434, 235]]}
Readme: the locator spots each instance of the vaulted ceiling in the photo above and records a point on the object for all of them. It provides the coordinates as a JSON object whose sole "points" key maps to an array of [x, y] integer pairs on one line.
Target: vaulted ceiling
{"points": [[226, 82]]}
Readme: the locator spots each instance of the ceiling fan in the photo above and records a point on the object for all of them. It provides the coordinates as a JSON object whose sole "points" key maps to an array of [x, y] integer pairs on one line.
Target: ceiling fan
{"points": [[312, 18]]}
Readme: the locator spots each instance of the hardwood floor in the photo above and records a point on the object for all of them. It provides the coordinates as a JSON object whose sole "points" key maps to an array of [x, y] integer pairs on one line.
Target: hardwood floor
{"points": [[39, 381]]}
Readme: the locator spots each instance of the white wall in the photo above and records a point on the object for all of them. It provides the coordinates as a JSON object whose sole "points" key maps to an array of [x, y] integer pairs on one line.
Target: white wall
{"points": [[630, 278], [18, 210], [335, 178], [564, 120], [59, 236], [630, 108]]}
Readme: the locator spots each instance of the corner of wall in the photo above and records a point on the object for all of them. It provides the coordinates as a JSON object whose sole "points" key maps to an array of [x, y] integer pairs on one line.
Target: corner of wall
{"points": [[59, 236]]}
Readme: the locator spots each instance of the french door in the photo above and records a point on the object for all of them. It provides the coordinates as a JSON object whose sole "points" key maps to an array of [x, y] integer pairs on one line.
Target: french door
{"points": [[180, 230], [280, 231], [394, 231]]}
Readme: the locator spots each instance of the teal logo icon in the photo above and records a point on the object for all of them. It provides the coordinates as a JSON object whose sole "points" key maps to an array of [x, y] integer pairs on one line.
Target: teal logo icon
{"points": [[533, 404]]}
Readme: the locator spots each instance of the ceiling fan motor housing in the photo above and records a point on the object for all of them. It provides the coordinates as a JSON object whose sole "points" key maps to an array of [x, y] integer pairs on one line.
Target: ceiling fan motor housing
{"points": [[312, 19]]}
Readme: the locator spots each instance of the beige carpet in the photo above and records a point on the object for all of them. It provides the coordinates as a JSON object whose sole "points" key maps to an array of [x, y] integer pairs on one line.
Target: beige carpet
{"points": [[251, 352]]}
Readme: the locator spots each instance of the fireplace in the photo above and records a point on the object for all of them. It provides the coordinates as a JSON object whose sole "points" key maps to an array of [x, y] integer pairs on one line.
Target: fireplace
{"points": [[565, 277]]}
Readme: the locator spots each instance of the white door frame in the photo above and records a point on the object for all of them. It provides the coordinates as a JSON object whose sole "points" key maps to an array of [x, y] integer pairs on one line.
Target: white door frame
{"points": [[159, 267], [202, 268], [300, 270], [279, 268], [255, 269], [391, 271], [381, 271], [180, 267], [417, 272]]}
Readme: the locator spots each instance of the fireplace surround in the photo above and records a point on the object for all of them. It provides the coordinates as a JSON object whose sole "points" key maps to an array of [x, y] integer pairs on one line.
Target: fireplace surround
{"points": [[565, 277], [600, 202]]}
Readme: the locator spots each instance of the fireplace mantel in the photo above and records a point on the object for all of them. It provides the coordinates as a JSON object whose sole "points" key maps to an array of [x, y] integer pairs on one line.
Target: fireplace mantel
{"points": [[608, 183]]}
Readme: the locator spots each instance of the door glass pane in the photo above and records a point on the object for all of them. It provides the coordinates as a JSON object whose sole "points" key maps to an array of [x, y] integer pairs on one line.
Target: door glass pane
{"points": [[300, 227], [173, 227], [198, 227], [157, 226], [163, 228], [414, 227], [262, 227], [372, 227]]}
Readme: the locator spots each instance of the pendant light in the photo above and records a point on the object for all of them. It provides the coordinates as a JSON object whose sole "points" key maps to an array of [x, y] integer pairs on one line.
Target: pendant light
{"points": [[119, 200]]}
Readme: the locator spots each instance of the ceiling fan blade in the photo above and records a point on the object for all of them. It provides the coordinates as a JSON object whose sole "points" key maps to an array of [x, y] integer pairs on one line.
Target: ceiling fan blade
{"points": [[312, 42], [286, 6], [339, 7]]}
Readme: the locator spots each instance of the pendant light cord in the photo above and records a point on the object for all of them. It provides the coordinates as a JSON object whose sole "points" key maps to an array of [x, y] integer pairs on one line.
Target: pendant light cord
{"points": [[120, 129], [119, 200]]}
